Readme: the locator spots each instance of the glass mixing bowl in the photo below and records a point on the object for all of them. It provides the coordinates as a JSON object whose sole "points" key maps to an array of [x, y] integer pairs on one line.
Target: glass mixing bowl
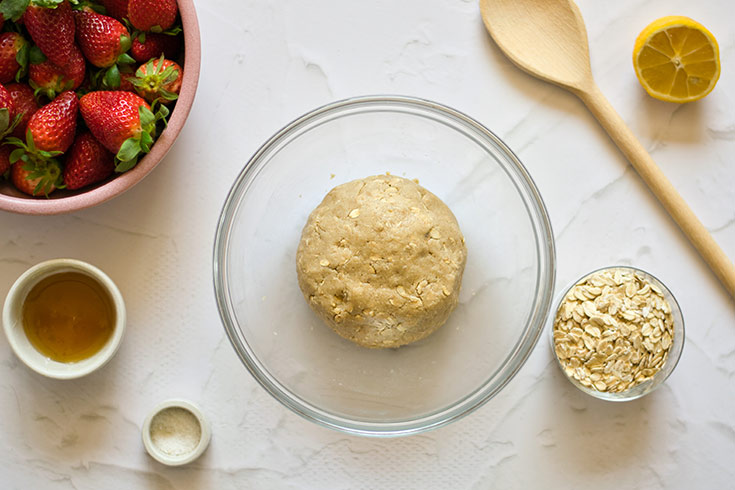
{"points": [[506, 291]]}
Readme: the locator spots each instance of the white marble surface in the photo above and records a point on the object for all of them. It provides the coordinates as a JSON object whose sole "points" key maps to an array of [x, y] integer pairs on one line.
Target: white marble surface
{"points": [[266, 62]]}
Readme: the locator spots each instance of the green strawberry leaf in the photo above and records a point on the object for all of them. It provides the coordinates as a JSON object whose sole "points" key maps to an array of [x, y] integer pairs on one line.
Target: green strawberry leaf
{"points": [[129, 150], [16, 154], [22, 58], [81, 5], [166, 95], [13, 9], [170, 75], [146, 116], [125, 166], [12, 126], [49, 4], [173, 31], [30, 146], [4, 119], [35, 56], [49, 154], [162, 112], [125, 42], [112, 77], [146, 140], [141, 38], [125, 59], [157, 29], [14, 141]]}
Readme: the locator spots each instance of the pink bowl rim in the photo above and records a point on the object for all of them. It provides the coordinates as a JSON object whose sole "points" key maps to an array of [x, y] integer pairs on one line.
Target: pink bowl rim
{"points": [[192, 60]]}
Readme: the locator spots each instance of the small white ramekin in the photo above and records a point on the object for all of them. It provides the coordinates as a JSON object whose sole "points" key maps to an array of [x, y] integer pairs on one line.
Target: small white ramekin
{"points": [[167, 459], [13, 320]]}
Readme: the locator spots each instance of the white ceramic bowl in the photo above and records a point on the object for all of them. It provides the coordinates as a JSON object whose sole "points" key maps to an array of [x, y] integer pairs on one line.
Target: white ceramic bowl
{"points": [[13, 323], [161, 456]]}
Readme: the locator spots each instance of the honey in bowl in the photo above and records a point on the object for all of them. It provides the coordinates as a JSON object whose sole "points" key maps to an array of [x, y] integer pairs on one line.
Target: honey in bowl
{"points": [[68, 316]]}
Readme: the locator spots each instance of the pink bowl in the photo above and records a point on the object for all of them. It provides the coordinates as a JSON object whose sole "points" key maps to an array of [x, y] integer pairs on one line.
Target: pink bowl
{"points": [[66, 201]]}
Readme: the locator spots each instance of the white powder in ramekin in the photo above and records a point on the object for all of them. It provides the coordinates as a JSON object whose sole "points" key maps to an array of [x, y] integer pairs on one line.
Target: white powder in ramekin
{"points": [[175, 431]]}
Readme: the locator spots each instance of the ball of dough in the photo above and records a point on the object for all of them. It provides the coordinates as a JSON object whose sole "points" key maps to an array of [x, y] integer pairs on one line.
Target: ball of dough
{"points": [[381, 261]]}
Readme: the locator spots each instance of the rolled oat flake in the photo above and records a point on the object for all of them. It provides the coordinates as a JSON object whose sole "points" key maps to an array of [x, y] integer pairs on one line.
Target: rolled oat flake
{"points": [[175, 431]]}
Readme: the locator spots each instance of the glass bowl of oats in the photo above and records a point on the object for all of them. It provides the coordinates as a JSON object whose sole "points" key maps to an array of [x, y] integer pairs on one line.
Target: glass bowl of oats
{"points": [[617, 333]]}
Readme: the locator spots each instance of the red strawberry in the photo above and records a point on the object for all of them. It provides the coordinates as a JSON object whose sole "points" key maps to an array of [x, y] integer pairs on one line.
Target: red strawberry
{"points": [[7, 112], [152, 15], [102, 39], [158, 80], [6, 101], [36, 181], [52, 127], [149, 45], [50, 132], [125, 82], [24, 105], [49, 80], [13, 56], [87, 162], [51, 25], [76, 69], [117, 9], [122, 122], [5, 151]]}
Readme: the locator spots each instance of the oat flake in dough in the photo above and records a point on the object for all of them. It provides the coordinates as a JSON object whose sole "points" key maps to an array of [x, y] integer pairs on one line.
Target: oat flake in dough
{"points": [[380, 261]]}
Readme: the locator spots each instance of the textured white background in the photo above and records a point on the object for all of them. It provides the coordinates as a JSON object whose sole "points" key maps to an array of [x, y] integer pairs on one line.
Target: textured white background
{"points": [[266, 62]]}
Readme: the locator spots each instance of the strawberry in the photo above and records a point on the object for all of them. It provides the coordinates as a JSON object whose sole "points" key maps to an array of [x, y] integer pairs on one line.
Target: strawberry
{"points": [[50, 131], [24, 105], [87, 162], [8, 118], [103, 39], [5, 158], [36, 180], [51, 26], [53, 126], [125, 82], [13, 56], [122, 122], [149, 45], [49, 80], [158, 80], [6, 101], [152, 15], [117, 9]]}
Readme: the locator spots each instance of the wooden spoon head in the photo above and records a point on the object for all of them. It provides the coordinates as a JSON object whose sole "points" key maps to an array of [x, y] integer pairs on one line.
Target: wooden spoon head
{"points": [[546, 38]]}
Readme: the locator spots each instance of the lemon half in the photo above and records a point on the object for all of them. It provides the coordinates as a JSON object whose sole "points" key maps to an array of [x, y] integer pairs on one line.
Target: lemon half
{"points": [[676, 59]]}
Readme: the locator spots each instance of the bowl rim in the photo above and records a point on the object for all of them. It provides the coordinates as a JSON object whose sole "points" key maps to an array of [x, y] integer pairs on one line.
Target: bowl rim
{"points": [[127, 180], [647, 387], [545, 253]]}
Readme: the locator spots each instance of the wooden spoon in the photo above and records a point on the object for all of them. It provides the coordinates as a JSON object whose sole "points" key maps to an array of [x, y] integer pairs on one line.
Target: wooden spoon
{"points": [[547, 39]]}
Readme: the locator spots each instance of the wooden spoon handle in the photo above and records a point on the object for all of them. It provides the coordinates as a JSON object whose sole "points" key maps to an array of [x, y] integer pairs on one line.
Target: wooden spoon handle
{"points": [[660, 185]]}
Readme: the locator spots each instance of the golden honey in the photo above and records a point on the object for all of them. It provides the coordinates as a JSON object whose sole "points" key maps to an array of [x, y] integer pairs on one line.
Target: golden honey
{"points": [[68, 316]]}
